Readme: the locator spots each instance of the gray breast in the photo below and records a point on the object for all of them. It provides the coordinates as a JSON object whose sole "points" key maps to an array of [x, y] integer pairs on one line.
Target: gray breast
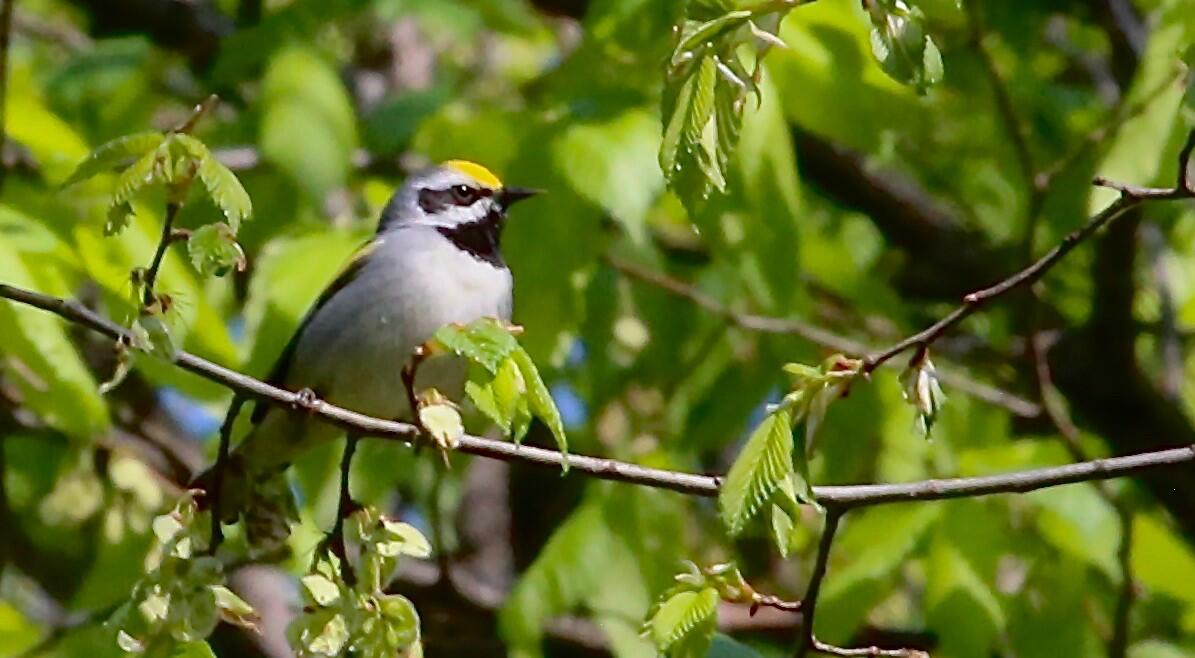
{"points": [[353, 351]]}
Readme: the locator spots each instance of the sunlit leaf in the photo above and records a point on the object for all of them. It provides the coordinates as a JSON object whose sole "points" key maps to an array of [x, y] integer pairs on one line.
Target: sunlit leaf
{"points": [[764, 463], [222, 185], [539, 400], [214, 250], [487, 342], [114, 154], [681, 614]]}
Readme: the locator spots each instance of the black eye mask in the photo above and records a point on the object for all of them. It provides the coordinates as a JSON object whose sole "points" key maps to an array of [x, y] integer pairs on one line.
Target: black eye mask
{"points": [[434, 201]]}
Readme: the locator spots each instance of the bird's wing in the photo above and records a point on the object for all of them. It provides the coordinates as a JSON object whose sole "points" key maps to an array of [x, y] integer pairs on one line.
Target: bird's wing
{"points": [[282, 366]]}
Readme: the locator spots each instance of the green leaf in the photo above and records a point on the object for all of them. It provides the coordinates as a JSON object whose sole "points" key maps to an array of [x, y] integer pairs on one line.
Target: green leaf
{"points": [[404, 539], [235, 610], [442, 421], [222, 185], [901, 45], [114, 154], [401, 617], [501, 397], [213, 250], [681, 614], [765, 462], [143, 172], [487, 342], [323, 591], [332, 638], [539, 400]]}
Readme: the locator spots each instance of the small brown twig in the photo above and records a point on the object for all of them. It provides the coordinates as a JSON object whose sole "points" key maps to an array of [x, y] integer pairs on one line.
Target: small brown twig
{"points": [[1130, 197]]}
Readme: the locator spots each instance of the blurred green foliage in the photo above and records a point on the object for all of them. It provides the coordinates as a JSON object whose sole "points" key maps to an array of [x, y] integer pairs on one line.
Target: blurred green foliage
{"points": [[856, 178]]}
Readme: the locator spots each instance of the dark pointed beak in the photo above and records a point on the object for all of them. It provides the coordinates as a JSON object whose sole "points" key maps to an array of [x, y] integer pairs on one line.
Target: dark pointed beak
{"points": [[508, 196]]}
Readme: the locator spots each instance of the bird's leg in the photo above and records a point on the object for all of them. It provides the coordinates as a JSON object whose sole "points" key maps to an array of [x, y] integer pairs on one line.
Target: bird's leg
{"points": [[214, 496], [408, 380], [334, 541]]}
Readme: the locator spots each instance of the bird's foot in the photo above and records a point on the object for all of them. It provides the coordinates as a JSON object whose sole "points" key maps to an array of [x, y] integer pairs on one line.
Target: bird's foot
{"points": [[306, 399]]}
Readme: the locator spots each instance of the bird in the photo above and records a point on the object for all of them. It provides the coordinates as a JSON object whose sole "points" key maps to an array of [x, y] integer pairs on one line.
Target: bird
{"points": [[434, 260]]}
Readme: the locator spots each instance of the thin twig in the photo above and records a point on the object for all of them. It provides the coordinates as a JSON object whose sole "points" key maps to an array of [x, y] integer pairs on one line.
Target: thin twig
{"points": [[1130, 197], [151, 274], [820, 563], [808, 605], [833, 497]]}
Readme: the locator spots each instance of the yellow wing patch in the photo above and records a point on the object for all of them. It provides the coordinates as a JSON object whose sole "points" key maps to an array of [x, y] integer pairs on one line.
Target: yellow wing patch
{"points": [[476, 171]]}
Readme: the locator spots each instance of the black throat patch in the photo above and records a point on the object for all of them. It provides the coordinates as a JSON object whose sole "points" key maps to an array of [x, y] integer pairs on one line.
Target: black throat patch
{"points": [[479, 239]]}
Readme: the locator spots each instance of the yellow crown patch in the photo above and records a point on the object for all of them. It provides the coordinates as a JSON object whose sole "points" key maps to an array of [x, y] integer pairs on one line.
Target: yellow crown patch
{"points": [[476, 171]]}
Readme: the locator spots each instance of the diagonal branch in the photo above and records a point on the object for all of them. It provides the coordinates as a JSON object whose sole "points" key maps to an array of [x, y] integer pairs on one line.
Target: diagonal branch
{"points": [[832, 497], [1131, 196]]}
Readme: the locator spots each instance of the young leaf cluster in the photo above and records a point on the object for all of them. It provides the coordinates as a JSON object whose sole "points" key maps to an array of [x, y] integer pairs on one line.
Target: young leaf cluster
{"points": [[343, 615], [506, 385], [706, 84], [901, 44], [773, 466], [172, 160], [682, 622], [182, 597]]}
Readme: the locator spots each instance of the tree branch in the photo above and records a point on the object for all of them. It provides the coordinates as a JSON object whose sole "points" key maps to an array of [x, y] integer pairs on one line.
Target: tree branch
{"points": [[1131, 196], [832, 497]]}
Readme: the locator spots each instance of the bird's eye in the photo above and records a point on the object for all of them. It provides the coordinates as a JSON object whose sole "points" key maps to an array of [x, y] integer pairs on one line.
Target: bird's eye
{"points": [[463, 194]]}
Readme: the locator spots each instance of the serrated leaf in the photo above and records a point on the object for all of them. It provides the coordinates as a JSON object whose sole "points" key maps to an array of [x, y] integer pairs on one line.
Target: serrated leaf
{"points": [[487, 342], [539, 399], [114, 154], [758, 472], [681, 614], [697, 35], [223, 186], [136, 177], [213, 250]]}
